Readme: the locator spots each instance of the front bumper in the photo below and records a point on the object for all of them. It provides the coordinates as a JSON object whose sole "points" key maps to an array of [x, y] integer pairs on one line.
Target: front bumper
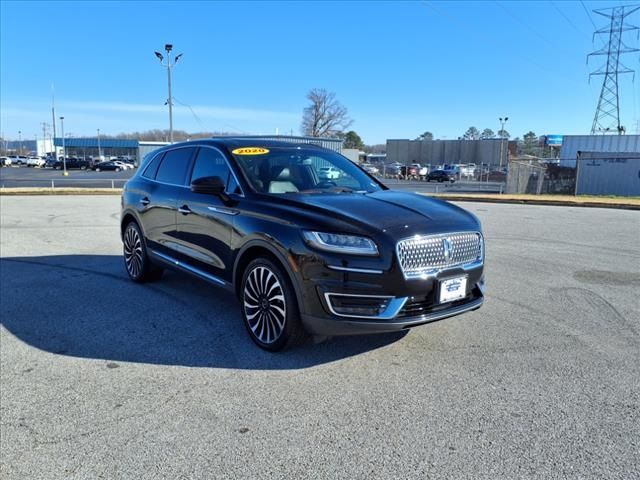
{"points": [[412, 314]]}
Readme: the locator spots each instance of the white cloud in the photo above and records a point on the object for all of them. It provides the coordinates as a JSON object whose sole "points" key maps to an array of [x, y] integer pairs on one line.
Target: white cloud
{"points": [[203, 111]]}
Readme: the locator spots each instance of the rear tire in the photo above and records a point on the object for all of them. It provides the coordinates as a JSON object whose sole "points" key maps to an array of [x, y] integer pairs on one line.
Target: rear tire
{"points": [[97, 169], [269, 306], [136, 260]]}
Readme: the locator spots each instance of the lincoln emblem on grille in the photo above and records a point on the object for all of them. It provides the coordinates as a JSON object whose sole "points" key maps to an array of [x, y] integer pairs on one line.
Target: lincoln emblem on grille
{"points": [[446, 246]]}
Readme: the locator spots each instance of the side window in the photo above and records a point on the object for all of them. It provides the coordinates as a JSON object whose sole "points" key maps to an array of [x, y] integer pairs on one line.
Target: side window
{"points": [[152, 167], [210, 163], [174, 166]]}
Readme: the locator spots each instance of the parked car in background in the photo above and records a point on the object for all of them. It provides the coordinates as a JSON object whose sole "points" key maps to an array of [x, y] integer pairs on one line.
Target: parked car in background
{"points": [[35, 162], [409, 170], [441, 176], [392, 169], [496, 176], [370, 169], [329, 173], [5, 161], [422, 171], [108, 166], [468, 170], [125, 165], [72, 163], [19, 160]]}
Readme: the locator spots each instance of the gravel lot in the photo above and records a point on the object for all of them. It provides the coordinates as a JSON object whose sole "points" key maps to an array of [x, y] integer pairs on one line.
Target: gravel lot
{"points": [[101, 378]]}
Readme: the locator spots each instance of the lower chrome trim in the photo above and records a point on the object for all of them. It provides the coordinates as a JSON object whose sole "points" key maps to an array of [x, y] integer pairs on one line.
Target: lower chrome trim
{"points": [[355, 270], [432, 317], [226, 211], [189, 268], [391, 311]]}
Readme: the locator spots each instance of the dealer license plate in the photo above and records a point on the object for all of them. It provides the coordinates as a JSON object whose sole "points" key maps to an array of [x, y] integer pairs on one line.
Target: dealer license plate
{"points": [[453, 289]]}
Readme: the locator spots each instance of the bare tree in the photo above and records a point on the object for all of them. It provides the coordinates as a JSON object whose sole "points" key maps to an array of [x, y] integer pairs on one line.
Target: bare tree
{"points": [[325, 116]]}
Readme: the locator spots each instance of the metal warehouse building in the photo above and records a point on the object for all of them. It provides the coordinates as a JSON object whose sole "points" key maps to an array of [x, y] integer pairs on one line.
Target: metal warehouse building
{"points": [[572, 144], [437, 152], [605, 164]]}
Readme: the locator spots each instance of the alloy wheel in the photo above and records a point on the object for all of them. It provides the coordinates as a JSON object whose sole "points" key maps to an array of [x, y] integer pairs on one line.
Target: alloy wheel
{"points": [[133, 253], [264, 305]]}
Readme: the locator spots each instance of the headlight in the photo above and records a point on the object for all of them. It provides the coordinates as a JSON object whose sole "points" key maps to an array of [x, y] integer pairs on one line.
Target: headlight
{"points": [[340, 243]]}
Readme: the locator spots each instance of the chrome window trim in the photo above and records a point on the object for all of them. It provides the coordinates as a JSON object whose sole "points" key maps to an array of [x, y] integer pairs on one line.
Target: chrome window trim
{"points": [[226, 160], [435, 271], [394, 307], [355, 270], [241, 194]]}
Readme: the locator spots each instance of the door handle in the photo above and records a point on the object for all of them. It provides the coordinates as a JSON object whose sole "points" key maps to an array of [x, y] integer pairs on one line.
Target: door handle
{"points": [[145, 201], [185, 210]]}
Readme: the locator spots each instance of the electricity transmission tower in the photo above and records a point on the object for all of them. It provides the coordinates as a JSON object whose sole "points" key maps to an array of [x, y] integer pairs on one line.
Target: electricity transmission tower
{"points": [[607, 118]]}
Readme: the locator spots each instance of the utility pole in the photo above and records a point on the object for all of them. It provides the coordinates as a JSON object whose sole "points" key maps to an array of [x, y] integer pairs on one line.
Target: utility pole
{"points": [[502, 135], [44, 137], [607, 117], [99, 150], [168, 47], [53, 125], [64, 152], [20, 141]]}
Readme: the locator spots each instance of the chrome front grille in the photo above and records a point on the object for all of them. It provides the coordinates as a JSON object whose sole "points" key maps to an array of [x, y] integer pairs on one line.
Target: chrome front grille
{"points": [[427, 254]]}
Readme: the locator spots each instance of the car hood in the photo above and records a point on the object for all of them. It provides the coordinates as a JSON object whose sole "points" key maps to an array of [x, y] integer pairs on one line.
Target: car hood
{"points": [[387, 210]]}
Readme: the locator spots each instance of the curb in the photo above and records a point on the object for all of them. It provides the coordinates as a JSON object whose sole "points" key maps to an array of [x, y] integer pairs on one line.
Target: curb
{"points": [[527, 201]]}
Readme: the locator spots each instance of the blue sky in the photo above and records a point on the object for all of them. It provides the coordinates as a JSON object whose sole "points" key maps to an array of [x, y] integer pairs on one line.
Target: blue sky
{"points": [[399, 67]]}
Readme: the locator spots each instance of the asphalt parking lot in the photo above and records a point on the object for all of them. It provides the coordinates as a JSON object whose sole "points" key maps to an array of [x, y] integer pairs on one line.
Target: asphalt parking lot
{"points": [[43, 177], [102, 378], [11, 177]]}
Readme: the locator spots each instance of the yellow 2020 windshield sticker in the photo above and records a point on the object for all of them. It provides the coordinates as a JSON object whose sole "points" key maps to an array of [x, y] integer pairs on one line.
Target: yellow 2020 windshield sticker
{"points": [[250, 151]]}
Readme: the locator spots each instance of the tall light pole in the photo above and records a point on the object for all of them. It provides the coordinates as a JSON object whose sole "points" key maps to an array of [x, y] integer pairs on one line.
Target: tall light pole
{"points": [[168, 47], [99, 150], [502, 131], [64, 152], [20, 141]]}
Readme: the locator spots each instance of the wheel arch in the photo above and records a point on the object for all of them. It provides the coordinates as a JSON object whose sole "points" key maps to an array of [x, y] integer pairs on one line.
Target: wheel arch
{"points": [[128, 217], [261, 248]]}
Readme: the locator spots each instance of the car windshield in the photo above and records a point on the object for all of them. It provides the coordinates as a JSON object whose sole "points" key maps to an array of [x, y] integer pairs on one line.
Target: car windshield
{"points": [[280, 170]]}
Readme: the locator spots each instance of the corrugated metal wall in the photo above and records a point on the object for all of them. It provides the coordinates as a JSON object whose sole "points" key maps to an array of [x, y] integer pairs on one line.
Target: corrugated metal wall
{"points": [[436, 152], [572, 144], [608, 174]]}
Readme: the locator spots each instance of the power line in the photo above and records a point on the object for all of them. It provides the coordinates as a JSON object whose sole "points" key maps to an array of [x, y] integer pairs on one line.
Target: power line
{"points": [[465, 29], [192, 112], [581, 32], [588, 14], [528, 26]]}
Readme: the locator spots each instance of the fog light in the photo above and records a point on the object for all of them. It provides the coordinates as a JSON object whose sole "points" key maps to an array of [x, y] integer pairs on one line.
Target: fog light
{"points": [[357, 305]]}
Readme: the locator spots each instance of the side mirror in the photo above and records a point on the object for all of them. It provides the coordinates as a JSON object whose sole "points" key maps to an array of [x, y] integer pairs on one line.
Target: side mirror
{"points": [[208, 185]]}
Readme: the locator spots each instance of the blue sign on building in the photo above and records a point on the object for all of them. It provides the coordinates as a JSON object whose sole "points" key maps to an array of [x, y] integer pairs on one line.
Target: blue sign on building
{"points": [[554, 140]]}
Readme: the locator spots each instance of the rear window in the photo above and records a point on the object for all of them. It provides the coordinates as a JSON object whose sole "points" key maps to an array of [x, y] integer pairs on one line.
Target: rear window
{"points": [[152, 168], [174, 166]]}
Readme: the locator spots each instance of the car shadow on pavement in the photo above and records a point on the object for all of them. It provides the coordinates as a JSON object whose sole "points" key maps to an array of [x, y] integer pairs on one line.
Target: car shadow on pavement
{"points": [[85, 306]]}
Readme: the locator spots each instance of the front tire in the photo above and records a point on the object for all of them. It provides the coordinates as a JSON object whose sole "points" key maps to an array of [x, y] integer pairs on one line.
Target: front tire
{"points": [[136, 261], [269, 306]]}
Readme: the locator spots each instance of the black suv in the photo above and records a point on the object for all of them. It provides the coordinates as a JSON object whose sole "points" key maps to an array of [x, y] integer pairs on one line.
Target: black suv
{"points": [[441, 176], [71, 163], [304, 254]]}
